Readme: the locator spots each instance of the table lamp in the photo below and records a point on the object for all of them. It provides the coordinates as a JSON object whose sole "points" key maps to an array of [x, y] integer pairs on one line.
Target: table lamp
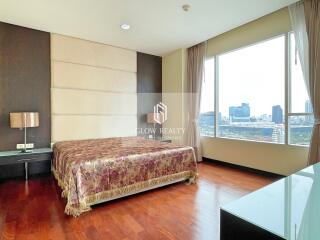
{"points": [[24, 120], [151, 118]]}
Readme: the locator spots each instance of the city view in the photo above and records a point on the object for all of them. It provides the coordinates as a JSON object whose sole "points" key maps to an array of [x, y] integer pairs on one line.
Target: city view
{"points": [[241, 124], [251, 93]]}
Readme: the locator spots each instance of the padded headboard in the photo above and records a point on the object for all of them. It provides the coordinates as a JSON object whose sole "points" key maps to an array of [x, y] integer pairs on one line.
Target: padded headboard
{"points": [[94, 90]]}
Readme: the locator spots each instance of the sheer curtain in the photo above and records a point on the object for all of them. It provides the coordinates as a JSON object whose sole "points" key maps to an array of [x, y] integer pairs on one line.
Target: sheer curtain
{"points": [[195, 75], [298, 22], [305, 18]]}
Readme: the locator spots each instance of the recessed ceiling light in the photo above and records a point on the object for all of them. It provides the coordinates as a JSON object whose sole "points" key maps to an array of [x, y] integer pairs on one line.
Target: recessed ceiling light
{"points": [[125, 26], [186, 7]]}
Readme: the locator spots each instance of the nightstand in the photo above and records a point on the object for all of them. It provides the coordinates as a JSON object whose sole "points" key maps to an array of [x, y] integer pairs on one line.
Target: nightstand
{"points": [[17, 157]]}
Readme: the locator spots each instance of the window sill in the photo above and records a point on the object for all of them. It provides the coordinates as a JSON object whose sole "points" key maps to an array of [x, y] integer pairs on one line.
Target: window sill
{"points": [[252, 141]]}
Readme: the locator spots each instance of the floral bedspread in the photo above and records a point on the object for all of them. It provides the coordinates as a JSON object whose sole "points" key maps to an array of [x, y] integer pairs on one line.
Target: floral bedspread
{"points": [[92, 171]]}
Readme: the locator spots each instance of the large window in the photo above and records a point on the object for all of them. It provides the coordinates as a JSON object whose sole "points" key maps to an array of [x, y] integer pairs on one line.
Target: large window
{"points": [[300, 117], [206, 119], [254, 98], [251, 92]]}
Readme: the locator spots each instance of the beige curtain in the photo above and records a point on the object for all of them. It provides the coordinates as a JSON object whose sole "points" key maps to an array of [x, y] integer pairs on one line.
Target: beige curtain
{"points": [[312, 13], [195, 75]]}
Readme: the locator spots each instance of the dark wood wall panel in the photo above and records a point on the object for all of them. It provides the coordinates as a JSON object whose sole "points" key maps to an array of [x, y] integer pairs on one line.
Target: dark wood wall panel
{"points": [[24, 83], [149, 87]]}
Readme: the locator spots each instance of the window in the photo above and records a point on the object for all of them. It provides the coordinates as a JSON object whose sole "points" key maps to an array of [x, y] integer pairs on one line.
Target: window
{"points": [[251, 91], [206, 118], [300, 117]]}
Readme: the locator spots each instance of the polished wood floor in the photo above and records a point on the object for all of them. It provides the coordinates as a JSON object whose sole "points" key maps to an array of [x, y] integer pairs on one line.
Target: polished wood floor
{"points": [[34, 210]]}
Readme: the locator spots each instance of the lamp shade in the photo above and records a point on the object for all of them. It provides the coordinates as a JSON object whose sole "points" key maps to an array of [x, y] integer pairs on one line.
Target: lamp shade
{"points": [[24, 119], [151, 117]]}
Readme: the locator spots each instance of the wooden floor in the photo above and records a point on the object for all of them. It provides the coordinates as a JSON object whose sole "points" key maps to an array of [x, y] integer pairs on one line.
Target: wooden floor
{"points": [[34, 210]]}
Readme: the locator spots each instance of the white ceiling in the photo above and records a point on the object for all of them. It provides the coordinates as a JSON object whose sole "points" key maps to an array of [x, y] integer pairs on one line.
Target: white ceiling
{"points": [[157, 26]]}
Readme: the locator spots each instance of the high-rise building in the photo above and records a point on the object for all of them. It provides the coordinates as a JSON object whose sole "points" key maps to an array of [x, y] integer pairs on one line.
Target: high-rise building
{"points": [[207, 118], [240, 113], [308, 107], [277, 114]]}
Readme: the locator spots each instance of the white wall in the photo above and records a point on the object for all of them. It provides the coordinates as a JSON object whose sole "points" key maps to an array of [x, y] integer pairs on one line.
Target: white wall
{"points": [[276, 158], [93, 90]]}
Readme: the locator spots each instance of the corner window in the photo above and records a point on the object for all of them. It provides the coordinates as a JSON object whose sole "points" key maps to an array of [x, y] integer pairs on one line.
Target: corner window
{"points": [[254, 98]]}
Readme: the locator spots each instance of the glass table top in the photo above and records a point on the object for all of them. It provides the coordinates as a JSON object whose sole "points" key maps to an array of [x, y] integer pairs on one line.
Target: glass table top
{"points": [[288, 208], [18, 152]]}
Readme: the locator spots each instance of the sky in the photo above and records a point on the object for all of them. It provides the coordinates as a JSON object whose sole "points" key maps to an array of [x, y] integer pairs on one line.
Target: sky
{"points": [[254, 75]]}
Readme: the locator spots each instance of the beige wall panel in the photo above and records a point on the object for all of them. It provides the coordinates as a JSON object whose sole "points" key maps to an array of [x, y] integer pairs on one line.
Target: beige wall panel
{"points": [[276, 158], [93, 90], [69, 101], [75, 50], [69, 75], [88, 127]]}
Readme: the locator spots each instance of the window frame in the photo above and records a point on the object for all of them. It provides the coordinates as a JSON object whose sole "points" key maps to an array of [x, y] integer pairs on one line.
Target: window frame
{"points": [[289, 113], [287, 93], [214, 66]]}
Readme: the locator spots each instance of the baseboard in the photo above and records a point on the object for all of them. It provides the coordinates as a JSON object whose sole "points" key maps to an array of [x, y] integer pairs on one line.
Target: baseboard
{"points": [[243, 168]]}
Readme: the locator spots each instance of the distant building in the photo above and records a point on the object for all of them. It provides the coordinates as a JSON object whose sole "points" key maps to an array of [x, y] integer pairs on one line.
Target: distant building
{"points": [[308, 107], [278, 134], [240, 113], [277, 114], [265, 118], [207, 118]]}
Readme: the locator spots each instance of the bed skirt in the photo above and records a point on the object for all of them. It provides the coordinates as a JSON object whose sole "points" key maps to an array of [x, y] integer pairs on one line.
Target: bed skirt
{"points": [[88, 201]]}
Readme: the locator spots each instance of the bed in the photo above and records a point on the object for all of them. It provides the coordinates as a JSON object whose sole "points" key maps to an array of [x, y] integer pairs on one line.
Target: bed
{"points": [[98, 170]]}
